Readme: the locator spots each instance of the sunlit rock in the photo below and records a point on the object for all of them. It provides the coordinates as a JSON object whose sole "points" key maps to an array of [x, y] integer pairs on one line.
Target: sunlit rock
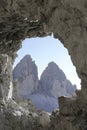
{"points": [[67, 20], [44, 92], [53, 82], [26, 75]]}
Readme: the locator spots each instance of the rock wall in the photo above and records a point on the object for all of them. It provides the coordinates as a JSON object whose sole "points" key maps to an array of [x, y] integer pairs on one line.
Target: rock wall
{"points": [[53, 82], [67, 20], [27, 76], [44, 92]]}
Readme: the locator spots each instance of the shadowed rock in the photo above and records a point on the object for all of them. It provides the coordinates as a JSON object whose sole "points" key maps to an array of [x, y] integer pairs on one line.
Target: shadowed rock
{"points": [[67, 20], [44, 92]]}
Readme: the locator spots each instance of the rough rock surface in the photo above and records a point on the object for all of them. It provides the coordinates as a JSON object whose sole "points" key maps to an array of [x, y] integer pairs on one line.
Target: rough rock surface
{"points": [[67, 20], [44, 92], [53, 82], [26, 75]]}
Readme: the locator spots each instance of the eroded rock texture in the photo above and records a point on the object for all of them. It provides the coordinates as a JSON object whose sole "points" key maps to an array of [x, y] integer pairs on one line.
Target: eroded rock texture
{"points": [[27, 76], [67, 20], [44, 92], [53, 82]]}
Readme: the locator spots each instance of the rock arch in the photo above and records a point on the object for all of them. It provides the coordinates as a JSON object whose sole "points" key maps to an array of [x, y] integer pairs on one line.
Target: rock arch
{"points": [[67, 20]]}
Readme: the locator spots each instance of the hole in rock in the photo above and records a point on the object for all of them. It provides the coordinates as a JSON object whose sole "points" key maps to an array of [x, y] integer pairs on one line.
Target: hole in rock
{"points": [[53, 66]]}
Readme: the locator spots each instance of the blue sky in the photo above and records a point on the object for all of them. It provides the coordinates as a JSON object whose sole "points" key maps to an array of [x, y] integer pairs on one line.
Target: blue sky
{"points": [[45, 50]]}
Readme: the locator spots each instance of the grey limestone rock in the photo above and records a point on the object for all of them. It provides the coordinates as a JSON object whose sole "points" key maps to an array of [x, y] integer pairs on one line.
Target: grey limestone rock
{"points": [[26, 75], [67, 20], [53, 82], [45, 93]]}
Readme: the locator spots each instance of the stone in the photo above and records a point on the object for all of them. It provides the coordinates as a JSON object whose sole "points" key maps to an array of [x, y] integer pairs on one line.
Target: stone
{"points": [[27, 76], [44, 118], [52, 84], [66, 107], [67, 20]]}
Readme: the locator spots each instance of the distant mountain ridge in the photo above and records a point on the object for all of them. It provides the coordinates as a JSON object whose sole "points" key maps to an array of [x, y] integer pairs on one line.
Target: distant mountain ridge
{"points": [[54, 80], [26, 74], [44, 92]]}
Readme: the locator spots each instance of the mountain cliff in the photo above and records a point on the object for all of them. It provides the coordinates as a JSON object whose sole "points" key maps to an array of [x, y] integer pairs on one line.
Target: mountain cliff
{"points": [[53, 82], [44, 92], [27, 76]]}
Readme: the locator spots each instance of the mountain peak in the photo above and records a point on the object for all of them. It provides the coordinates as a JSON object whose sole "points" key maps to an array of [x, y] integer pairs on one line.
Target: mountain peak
{"points": [[26, 74], [52, 63], [53, 71], [52, 84], [26, 58]]}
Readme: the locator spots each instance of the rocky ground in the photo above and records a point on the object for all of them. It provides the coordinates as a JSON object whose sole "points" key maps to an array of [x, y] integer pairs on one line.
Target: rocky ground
{"points": [[21, 19]]}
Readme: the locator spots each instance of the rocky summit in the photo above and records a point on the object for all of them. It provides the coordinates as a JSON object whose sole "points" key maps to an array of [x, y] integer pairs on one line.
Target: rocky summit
{"points": [[54, 82], [44, 92], [27, 76], [20, 19]]}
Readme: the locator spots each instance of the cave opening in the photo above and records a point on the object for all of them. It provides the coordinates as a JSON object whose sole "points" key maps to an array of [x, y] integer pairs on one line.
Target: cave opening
{"points": [[42, 52]]}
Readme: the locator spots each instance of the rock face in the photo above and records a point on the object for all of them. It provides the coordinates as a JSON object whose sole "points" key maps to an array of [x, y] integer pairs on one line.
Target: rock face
{"points": [[43, 92], [67, 20], [44, 102], [53, 82], [26, 75]]}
